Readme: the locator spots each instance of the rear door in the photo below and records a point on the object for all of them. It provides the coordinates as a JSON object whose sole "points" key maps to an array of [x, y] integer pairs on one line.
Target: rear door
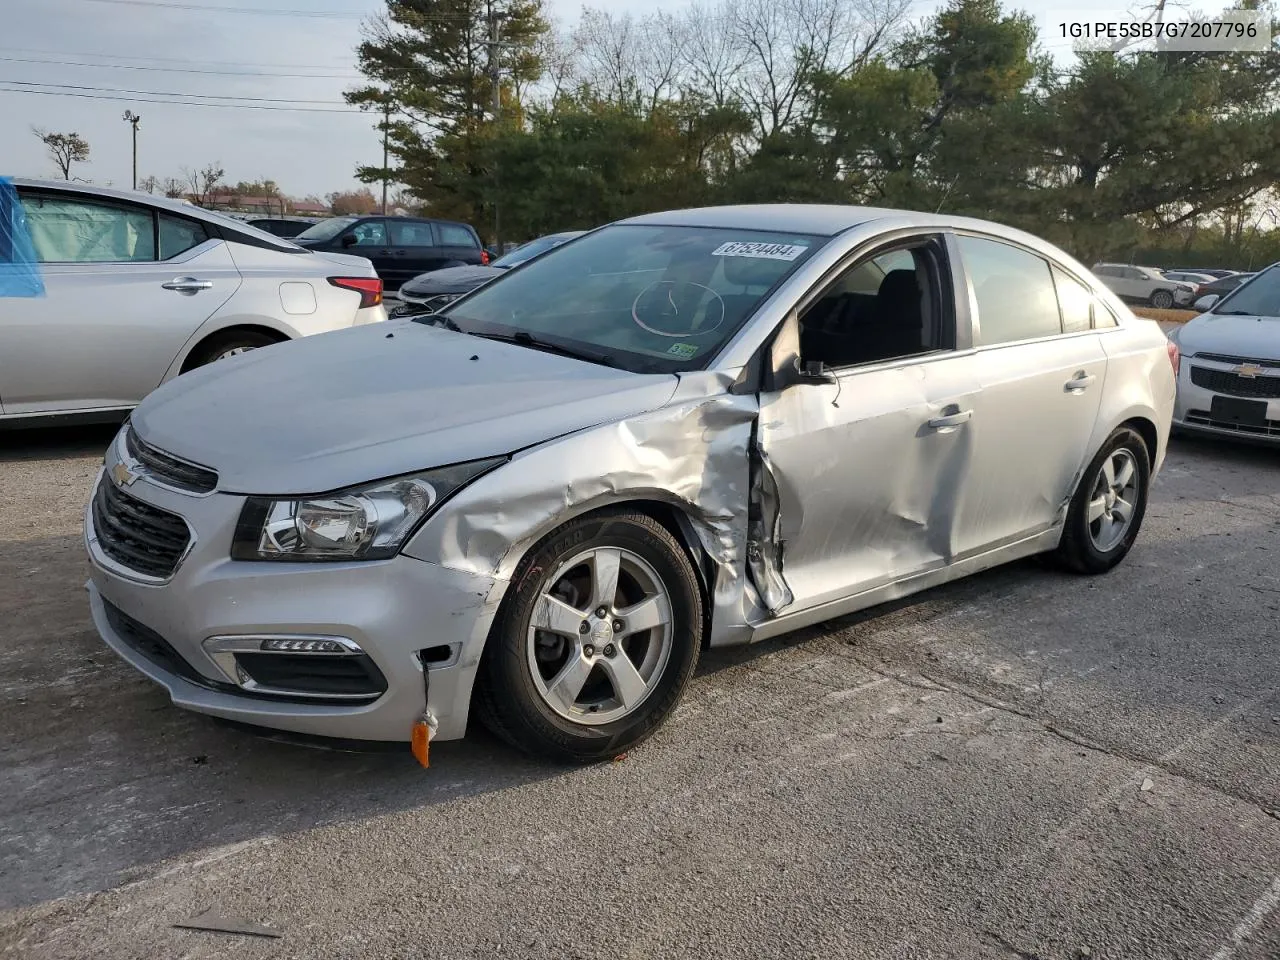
{"points": [[126, 286], [1040, 369], [414, 250]]}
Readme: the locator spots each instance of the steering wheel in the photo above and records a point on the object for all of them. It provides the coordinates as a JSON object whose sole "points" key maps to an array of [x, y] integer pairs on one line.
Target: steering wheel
{"points": [[661, 307]]}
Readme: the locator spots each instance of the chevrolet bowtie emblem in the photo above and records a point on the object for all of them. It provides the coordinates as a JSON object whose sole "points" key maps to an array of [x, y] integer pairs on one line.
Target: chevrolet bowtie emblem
{"points": [[1250, 370], [122, 475]]}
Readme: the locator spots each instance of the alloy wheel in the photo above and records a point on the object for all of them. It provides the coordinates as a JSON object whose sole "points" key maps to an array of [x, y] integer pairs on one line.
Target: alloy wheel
{"points": [[1111, 505], [600, 636]]}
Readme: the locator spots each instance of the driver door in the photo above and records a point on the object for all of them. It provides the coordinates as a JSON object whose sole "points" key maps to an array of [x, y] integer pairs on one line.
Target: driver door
{"points": [[869, 467]]}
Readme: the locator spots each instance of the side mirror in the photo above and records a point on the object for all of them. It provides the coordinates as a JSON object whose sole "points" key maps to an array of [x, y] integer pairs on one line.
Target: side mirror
{"points": [[1206, 302], [350, 240], [814, 371]]}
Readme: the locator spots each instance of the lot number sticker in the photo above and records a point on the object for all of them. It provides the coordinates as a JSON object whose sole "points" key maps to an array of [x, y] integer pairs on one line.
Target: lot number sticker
{"points": [[685, 351], [760, 251]]}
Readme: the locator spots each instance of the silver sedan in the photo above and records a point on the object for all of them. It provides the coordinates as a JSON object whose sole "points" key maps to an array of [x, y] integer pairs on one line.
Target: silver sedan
{"points": [[688, 429], [138, 289]]}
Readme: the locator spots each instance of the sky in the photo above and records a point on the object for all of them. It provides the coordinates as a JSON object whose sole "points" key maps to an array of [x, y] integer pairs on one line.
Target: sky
{"points": [[173, 46]]}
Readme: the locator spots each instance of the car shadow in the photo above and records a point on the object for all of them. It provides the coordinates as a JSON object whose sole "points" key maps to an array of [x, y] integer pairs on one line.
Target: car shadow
{"points": [[51, 443]]}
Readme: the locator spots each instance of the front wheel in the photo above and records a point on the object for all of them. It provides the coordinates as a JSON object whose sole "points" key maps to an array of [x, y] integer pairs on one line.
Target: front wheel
{"points": [[1162, 299], [1109, 504], [596, 640]]}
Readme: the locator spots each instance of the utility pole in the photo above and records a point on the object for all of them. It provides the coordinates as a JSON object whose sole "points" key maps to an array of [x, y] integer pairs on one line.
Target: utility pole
{"points": [[495, 78], [133, 119], [386, 122]]}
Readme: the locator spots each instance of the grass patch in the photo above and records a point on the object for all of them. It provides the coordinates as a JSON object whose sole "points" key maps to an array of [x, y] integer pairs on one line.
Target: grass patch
{"points": [[1165, 316]]}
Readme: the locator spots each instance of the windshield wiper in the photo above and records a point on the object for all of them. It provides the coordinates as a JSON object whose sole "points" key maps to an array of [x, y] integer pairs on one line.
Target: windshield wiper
{"points": [[437, 320], [526, 339]]}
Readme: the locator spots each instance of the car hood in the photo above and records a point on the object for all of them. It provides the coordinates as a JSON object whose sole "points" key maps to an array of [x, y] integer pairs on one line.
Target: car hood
{"points": [[1252, 337], [450, 280], [343, 408]]}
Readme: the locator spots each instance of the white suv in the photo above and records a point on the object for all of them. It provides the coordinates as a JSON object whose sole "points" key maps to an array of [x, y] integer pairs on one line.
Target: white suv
{"points": [[1144, 284]]}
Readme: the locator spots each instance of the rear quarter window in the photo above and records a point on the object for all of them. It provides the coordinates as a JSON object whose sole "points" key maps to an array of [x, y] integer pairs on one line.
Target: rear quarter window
{"points": [[454, 235]]}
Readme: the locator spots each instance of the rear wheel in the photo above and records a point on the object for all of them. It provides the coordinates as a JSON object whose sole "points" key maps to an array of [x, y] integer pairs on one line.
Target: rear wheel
{"points": [[230, 344], [1162, 299], [596, 640], [1107, 510]]}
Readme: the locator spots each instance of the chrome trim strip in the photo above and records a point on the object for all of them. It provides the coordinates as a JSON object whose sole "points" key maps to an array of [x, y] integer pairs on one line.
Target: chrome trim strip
{"points": [[222, 651], [142, 472]]}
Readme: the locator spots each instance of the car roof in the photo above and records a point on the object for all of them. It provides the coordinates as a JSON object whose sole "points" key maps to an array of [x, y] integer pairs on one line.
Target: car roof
{"points": [[817, 219]]}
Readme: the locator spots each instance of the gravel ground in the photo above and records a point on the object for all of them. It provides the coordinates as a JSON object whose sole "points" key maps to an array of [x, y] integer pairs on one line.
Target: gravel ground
{"points": [[1025, 764]]}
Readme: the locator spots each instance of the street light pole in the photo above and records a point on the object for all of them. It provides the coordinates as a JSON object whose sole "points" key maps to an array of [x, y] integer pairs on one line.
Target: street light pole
{"points": [[386, 122], [133, 120]]}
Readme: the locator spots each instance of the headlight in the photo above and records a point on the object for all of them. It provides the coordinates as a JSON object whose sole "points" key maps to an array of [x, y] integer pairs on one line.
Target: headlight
{"points": [[362, 523]]}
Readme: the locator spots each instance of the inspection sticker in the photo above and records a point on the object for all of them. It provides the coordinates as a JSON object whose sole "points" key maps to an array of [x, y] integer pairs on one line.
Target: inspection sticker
{"points": [[685, 351], [761, 251]]}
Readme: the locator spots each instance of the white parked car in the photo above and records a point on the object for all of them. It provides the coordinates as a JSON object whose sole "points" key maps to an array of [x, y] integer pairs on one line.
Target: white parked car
{"points": [[1199, 279], [1144, 285], [689, 429], [140, 289], [1230, 380]]}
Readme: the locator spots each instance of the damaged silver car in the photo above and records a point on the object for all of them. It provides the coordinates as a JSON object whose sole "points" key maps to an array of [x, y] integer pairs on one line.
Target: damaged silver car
{"points": [[687, 429]]}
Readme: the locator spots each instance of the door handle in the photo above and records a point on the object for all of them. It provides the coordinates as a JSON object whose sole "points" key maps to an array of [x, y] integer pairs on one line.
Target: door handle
{"points": [[951, 420], [1079, 383], [187, 285]]}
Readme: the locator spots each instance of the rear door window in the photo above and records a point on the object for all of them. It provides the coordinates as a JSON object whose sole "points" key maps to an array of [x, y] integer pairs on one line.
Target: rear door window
{"points": [[1014, 289], [371, 233], [178, 235], [411, 233]]}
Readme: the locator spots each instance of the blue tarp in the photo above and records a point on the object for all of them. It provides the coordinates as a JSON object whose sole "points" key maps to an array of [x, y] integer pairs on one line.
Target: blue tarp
{"points": [[19, 269]]}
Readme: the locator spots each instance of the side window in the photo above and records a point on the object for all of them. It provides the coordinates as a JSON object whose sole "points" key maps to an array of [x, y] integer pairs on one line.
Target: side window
{"points": [[411, 233], [372, 233], [1014, 289], [1075, 301], [178, 235], [1101, 271], [452, 235], [67, 230], [886, 306], [1103, 317]]}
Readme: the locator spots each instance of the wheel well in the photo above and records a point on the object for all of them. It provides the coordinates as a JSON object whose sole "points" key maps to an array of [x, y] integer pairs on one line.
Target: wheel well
{"points": [[1147, 430], [225, 332], [671, 518]]}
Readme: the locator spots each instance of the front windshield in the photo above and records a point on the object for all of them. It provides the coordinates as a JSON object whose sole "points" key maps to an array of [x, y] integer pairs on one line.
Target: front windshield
{"points": [[650, 298], [327, 229], [531, 249], [1257, 297]]}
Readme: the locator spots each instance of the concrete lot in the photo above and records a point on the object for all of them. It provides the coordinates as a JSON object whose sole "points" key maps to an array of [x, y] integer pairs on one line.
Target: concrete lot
{"points": [[961, 775]]}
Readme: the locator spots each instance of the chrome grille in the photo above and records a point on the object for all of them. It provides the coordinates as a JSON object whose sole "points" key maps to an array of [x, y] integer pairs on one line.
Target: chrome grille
{"points": [[1267, 428], [1231, 383], [1236, 361], [137, 535], [168, 469]]}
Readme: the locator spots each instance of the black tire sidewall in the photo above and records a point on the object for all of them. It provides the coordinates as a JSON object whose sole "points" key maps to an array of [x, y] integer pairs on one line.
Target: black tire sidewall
{"points": [[1093, 559], [207, 353], [527, 718], [1158, 295]]}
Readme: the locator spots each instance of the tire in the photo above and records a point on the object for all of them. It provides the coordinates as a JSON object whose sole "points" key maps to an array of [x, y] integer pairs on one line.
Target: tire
{"points": [[528, 676], [1162, 300], [223, 345], [1095, 546]]}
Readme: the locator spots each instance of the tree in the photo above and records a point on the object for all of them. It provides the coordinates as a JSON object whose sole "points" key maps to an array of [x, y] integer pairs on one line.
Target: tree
{"points": [[353, 202], [173, 188], [65, 149], [200, 183], [430, 61], [149, 184]]}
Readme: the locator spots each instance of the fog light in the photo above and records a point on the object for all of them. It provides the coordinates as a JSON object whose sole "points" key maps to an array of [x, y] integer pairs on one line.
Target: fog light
{"points": [[303, 646]]}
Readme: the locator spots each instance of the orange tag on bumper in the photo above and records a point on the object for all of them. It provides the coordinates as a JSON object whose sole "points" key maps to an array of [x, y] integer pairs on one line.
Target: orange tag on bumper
{"points": [[420, 742]]}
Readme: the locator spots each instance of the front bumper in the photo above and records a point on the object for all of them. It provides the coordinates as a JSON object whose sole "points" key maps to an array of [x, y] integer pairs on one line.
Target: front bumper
{"points": [[1193, 408], [392, 609]]}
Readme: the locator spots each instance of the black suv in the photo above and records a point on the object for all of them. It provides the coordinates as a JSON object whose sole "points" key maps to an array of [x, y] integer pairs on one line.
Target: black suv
{"points": [[400, 247]]}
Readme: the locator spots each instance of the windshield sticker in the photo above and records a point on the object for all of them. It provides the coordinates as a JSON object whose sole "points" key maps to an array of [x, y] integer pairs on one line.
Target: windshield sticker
{"points": [[759, 251], [685, 351]]}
